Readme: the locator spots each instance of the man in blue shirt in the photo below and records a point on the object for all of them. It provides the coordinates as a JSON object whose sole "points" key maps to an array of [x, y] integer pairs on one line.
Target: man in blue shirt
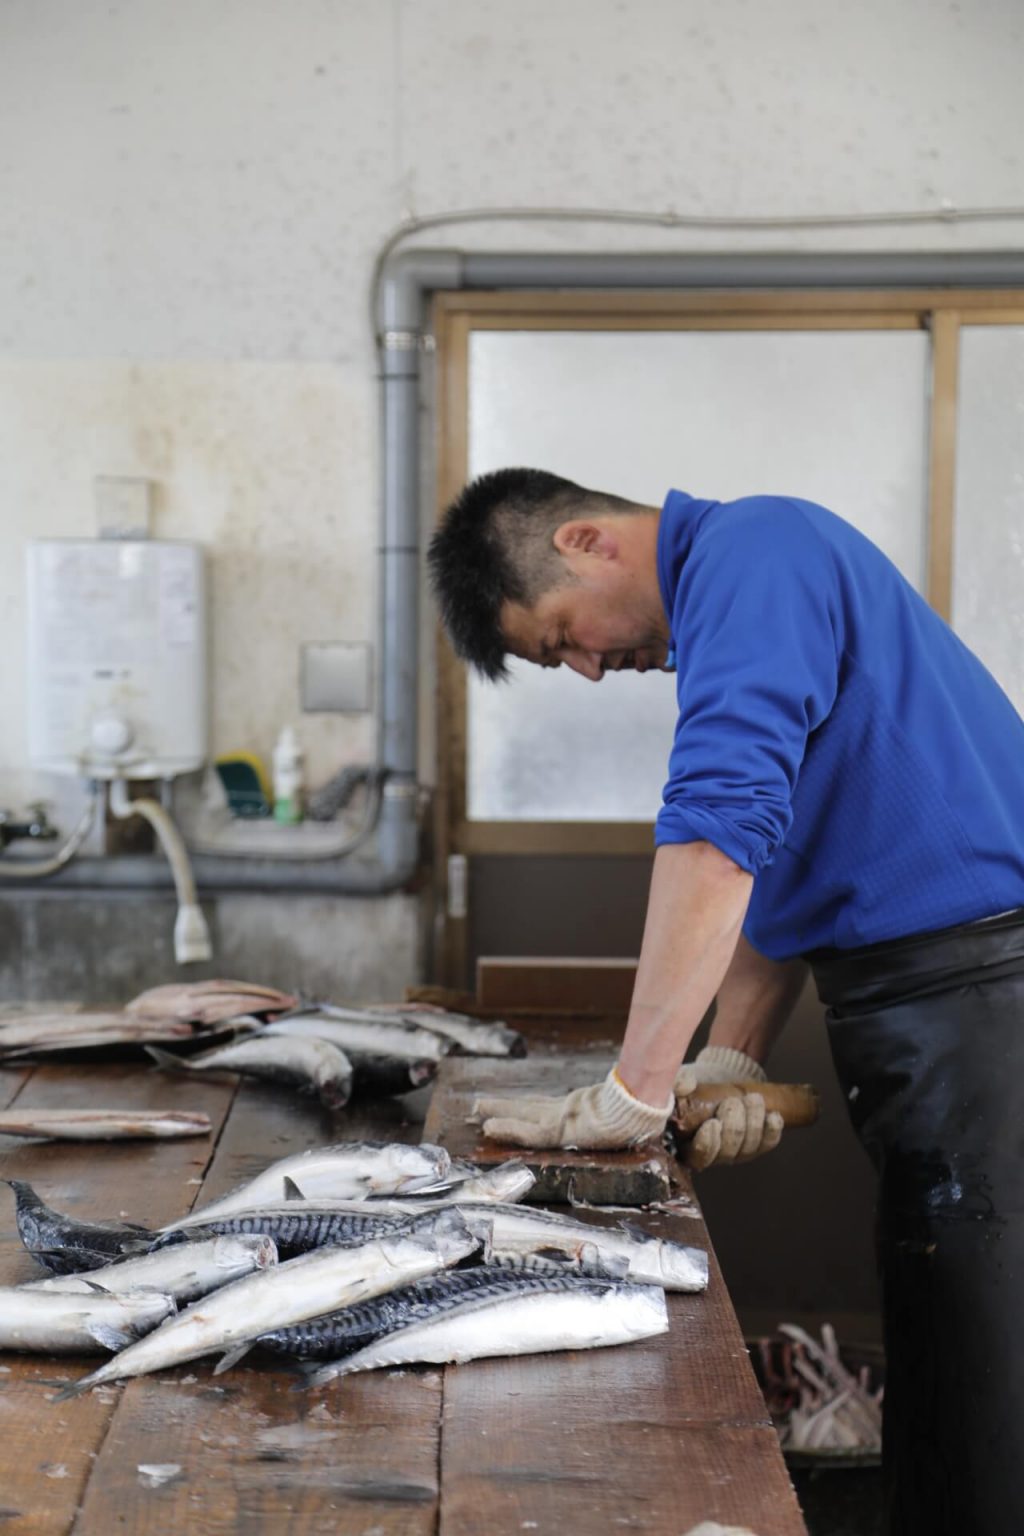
{"points": [[845, 791]]}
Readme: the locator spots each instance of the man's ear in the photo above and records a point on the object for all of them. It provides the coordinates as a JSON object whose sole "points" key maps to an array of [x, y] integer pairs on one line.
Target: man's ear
{"points": [[582, 538]]}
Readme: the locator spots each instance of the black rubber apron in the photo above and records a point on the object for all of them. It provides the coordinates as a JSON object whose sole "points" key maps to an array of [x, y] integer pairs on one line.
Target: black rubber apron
{"points": [[927, 1035]]}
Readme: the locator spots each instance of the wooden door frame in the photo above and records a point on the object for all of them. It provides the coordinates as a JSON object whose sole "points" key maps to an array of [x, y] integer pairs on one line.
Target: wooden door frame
{"points": [[942, 312]]}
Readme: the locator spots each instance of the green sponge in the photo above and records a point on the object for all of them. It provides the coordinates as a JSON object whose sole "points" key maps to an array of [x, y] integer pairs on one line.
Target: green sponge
{"points": [[245, 784]]}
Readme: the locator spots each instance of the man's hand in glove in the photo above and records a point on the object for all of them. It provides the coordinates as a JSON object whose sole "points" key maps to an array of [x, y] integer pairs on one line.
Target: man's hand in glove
{"points": [[606, 1115], [740, 1129]]}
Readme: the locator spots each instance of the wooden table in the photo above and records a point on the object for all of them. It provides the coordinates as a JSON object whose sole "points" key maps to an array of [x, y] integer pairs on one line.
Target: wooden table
{"points": [[651, 1438]]}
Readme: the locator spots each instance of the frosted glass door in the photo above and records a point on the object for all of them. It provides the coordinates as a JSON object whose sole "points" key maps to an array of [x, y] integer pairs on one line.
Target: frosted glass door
{"points": [[988, 544], [835, 416]]}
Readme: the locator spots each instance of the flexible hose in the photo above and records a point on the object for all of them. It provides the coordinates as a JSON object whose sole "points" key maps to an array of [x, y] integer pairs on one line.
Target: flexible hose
{"points": [[191, 935], [38, 868]]}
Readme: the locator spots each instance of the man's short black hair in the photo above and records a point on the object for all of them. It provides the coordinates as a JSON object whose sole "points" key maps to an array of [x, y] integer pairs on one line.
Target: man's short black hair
{"points": [[495, 545]]}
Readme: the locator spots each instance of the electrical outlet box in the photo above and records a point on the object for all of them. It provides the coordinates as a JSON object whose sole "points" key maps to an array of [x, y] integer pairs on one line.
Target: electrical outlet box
{"points": [[335, 678]]}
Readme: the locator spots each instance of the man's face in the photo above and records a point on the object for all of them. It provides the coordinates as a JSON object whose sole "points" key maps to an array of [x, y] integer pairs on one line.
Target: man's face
{"points": [[606, 620]]}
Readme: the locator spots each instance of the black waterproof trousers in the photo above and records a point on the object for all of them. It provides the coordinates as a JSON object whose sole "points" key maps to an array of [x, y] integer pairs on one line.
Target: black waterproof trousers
{"points": [[927, 1034]]}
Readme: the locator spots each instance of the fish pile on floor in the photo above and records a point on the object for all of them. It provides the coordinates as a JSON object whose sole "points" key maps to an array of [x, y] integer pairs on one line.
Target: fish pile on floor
{"points": [[336, 1053], [343, 1258]]}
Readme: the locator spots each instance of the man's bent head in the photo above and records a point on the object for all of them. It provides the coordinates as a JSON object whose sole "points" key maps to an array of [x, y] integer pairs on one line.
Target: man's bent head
{"points": [[498, 548]]}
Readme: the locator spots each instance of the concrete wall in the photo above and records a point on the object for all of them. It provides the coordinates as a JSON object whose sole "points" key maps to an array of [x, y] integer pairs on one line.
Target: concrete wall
{"points": [[191, 199]]}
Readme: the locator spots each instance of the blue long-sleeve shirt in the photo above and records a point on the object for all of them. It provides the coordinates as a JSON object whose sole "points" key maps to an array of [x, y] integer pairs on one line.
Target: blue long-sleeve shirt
{"points": [[835, 738]]}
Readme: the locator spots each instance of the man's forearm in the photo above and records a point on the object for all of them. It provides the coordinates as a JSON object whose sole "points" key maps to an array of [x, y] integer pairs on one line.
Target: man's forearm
{"points": [[755, 1001], [697, 902]]}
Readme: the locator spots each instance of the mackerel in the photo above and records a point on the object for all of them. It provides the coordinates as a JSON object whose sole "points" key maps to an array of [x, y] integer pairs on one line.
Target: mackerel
{"points": [[208, 1002], [311, 1065], [536, 1316], [64, 1245], [514, 1231], [40, 1034], [298, 1226], [507, 1182], [474, 1037], [102, 1124], [374, 1071], [317, 1282], [351, 1328], [376, 1035], [63, 1324], [344, 1171], [185, 1271]]}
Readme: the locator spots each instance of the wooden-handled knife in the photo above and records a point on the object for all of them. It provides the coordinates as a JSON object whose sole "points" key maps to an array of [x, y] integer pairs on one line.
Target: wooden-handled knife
{"points": [[797, 1103]]}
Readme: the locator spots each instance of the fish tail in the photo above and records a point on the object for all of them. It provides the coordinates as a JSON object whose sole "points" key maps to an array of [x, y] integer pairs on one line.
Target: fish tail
{"points": [[319, 1375], [166, 1060], [76, 1388]]}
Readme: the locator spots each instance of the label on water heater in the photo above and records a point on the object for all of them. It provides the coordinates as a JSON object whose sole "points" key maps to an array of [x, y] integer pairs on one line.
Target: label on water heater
{"points": [[116, 632]]}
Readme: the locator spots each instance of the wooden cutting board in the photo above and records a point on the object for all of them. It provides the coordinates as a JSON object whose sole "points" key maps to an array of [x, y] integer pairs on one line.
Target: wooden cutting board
{"points": [[596, 1178]]}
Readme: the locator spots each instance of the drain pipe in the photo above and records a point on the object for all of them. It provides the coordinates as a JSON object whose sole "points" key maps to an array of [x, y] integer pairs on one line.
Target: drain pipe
{"points": [[406, 280]]}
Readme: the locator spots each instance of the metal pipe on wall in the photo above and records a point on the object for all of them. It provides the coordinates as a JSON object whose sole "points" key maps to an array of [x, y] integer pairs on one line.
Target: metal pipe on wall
{"points": [[407, 280]]}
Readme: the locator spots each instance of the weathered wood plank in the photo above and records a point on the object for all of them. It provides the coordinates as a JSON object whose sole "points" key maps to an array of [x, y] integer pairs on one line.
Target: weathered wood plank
{"points": [[571, 984], [653, 1437], [254, 1454], [47, 1451], [624, 1473], [601, 1178]]}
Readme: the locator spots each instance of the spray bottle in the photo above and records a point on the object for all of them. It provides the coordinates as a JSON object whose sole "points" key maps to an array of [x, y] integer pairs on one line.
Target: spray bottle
{"points": [[288, 786]]}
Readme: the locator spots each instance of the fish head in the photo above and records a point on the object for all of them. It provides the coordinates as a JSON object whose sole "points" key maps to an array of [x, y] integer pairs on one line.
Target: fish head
{"points": [[678, 1267], [508, 1182], [446, 1233], [335, 1093], [418, 1168]]}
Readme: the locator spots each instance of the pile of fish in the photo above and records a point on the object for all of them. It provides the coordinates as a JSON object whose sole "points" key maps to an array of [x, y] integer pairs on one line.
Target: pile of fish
{"points": [[170, 1014], [342, 1258], [333, 1052]]}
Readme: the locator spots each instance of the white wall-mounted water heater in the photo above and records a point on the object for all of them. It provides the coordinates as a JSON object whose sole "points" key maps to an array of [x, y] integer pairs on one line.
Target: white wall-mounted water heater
{"points": [[117, 657]]}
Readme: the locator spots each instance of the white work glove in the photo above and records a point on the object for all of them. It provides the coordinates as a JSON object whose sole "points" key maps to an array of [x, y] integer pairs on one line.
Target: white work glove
{"points": [[606, 1115], [740, 1129]]}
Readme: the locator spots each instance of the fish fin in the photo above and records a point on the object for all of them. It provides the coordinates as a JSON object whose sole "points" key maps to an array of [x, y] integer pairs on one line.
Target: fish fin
{"points": [[75, 1389], [631, 1229], [229, 1360], [110, 1337], [95, 1286], [609, 1266], [166, 1060], [292, 1190]]}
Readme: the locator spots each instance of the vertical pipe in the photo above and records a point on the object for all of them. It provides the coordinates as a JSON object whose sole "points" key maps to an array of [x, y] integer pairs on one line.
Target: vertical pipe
{"points": [[405, 280]]}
